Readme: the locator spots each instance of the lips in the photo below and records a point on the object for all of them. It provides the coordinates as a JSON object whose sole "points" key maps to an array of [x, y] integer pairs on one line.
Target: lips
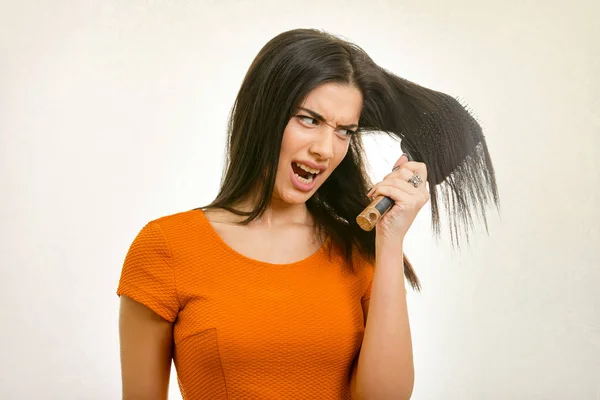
{"points": [[310, 166], [303, 184]]}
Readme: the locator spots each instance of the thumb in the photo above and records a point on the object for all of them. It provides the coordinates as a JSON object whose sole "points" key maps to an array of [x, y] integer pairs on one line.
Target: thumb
{"points": [[401, 161]]}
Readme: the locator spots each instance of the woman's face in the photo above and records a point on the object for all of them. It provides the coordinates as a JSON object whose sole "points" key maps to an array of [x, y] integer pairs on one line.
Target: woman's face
{"points": [[316, 140]]}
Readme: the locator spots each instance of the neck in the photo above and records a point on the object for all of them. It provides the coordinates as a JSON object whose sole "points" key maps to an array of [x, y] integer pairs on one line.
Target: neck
{"points": [[279, 213]]}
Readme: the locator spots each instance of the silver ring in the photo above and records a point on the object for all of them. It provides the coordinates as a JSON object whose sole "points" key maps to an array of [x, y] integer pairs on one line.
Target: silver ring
{"points": [[415, 180]]}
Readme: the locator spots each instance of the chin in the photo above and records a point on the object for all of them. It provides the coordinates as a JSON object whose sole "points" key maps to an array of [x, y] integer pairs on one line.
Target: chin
{"points": [[291, 195], [294, 198]]}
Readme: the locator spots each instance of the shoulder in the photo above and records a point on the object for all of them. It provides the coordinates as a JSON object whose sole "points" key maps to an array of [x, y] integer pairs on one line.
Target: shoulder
{"points": [[187, 234], [181, 218], [179, 225], [164, 235]]}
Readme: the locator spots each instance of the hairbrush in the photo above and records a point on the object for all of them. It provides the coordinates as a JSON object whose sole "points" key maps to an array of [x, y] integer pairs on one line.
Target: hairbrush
{"points": [[439, 131], [369, 217]]}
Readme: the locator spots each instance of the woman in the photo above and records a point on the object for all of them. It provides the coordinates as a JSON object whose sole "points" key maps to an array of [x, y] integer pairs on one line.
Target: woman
{"points": [[270, 292]]}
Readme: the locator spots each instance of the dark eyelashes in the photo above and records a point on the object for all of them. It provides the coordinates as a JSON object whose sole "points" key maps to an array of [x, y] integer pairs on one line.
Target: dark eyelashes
{"points": [[350, 131], [305, 117]]}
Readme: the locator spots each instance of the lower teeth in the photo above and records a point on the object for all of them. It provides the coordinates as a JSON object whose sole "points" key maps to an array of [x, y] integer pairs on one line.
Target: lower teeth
{"points": [[305, 180]]}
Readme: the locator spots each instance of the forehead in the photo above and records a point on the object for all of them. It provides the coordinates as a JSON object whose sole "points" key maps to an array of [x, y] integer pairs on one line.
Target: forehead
{"points": [[335, 102]]}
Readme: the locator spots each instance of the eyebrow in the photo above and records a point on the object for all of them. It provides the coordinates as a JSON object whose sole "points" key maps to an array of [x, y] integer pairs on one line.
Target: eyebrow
{"points": [[320, 118]]}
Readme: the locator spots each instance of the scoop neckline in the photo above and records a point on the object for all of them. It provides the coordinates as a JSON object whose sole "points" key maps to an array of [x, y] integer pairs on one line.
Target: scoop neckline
{"points": [[226, 247]]}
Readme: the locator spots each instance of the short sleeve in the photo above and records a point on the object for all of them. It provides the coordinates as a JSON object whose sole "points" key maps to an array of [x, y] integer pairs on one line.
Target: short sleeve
{"points": [[148, 276]]}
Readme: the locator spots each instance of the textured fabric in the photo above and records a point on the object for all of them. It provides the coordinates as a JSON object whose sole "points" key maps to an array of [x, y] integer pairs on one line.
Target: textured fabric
{"points": [[245, 329]]}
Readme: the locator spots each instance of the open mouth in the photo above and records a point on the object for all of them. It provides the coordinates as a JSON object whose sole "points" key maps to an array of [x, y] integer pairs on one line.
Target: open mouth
{"points": [[304, 173]]}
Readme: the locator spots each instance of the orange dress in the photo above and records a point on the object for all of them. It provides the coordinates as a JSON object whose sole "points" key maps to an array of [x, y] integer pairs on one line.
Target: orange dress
{"points": [[245, 329]]}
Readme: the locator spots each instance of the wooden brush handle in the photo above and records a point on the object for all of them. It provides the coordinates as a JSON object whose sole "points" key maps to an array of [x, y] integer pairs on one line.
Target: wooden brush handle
{"points": [[369, 217]]}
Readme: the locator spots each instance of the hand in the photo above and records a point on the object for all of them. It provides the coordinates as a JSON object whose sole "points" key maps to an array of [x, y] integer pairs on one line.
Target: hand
{"points": [[408, 200]]}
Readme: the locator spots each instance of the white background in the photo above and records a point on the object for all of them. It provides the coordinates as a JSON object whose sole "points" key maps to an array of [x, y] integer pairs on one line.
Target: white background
{"points": [[113, 113]]}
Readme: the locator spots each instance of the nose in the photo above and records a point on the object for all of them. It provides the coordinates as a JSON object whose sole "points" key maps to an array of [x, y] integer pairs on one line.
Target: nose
{"points": [[322, 146]]}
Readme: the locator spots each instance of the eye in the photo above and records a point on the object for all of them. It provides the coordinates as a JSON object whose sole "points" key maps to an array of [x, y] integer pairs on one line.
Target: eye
{"points": [[348, 132], [307, 120]]}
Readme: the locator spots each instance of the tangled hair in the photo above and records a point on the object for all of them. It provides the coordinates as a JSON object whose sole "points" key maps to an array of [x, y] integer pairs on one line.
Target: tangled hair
{"points": [[433, 128]]}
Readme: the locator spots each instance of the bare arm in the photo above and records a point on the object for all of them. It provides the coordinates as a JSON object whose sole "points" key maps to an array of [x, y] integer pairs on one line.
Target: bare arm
{"points": [[146, 351], [384, 369]]}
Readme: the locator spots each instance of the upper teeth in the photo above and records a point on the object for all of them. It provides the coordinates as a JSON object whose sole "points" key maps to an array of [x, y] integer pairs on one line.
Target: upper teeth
{"points": [[307, 168]]}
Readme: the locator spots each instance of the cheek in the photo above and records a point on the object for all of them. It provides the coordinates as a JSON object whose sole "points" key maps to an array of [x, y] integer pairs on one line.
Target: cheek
{"points": [[340, 152], [341, 149], [291, 138], [289, 145]]}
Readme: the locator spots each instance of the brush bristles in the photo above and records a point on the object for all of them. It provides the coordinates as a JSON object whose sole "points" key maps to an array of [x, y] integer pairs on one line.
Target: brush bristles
{"points": [[436, 129]]}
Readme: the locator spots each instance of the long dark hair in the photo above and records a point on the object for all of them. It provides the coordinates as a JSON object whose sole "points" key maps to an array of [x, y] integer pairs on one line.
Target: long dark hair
{"points": [[432, 126]]}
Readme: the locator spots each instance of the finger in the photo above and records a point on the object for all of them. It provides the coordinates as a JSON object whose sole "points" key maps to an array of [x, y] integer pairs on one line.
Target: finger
{"points": [[398, 184], [405, 170], [401, 161], [398, 195], [398, 178], [403, 173], [371, 193], [417, 168], [402, 195]]}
